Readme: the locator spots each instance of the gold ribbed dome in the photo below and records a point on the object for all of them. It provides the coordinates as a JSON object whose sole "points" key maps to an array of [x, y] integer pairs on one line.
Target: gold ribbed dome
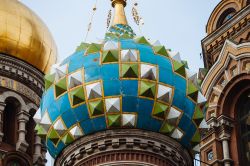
{"points": [[25, 36]]}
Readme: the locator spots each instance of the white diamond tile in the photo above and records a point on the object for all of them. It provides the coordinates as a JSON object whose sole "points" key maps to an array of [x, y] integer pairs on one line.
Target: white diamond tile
{"points": [[128, 120], [148, 72], [94, 90], [112, 105], [76, 132], [129, 55], [177, 134], [59, 126]]}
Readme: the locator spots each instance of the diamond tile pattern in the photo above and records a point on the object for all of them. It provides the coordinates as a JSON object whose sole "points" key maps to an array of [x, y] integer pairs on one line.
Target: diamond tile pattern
{"points": [[123, 83]]}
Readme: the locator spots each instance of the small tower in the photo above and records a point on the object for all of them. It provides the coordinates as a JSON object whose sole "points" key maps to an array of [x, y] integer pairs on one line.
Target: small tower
{"points": [[226, 80], [124, 101], [27, 51]]}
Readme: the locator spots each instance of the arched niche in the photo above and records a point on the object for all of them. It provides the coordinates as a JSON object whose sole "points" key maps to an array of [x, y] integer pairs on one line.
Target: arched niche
{"points": [[225, 16], [10, 121], [243, 121], [229, 103]]}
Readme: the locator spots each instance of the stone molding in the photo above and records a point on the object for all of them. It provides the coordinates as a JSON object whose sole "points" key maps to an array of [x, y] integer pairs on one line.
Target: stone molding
{"points": [[22, 72], [124, 140]]}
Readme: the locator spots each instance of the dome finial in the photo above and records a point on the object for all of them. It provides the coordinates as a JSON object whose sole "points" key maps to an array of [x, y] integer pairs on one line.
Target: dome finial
{"points": [[119, 17]]}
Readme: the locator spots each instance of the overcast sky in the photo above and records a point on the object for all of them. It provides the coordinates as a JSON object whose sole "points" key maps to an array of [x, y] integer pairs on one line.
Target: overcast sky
{"points": [[178, 24]]}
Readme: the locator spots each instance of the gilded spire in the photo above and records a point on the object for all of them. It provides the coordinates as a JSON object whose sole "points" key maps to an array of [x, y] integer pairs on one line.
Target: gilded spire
{"points": [[119, 17]]}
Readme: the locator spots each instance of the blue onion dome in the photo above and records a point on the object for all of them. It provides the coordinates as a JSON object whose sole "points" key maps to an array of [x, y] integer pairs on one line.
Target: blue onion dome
{"points": [[124, 82]]}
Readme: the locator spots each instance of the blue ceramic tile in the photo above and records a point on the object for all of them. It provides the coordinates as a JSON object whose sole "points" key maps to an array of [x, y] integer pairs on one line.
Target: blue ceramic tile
{"points": [[92, 73], [180, 83], [185, 122], [129, 87], [49, 95], [110, 72], [189, 108], [69, 118], [128, 44], [81, 113], [53, 112], [164, 62], [91, 60], [132, 106], [112, 88], [147, 55], [166, 76], [99, 123], [179, 96], [63, 103], [87, 126]]}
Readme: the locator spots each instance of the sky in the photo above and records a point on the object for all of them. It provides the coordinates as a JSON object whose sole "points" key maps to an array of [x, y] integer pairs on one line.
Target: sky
{"points": [[178, 24]]}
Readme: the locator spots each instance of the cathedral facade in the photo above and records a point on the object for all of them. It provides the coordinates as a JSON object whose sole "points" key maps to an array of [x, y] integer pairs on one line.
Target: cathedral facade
{"points": [[226, 84]]}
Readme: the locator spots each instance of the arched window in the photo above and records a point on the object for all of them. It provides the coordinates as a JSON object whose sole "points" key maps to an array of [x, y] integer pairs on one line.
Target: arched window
{"points": [[243, 112], [225, 16], [10, 126]]}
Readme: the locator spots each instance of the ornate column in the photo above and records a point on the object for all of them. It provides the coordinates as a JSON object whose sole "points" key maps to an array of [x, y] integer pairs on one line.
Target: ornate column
{"points": [[23, 118], [2, 107], [38, 148], [225, 133]]}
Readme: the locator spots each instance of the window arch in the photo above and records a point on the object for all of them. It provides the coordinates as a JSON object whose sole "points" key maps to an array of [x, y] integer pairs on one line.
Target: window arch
{"points": [[10, 125], [243, 116], [225, 16]]}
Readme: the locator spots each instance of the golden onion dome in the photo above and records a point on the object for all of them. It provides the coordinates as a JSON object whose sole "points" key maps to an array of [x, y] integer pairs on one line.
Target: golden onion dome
{"points": [[24, 35]]}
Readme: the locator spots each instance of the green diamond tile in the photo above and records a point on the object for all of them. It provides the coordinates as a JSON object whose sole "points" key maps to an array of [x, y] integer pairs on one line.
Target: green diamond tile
{"points": [[166, 128], [196, 138], [96, 108], [61, 87], [160, 110], [142, 40], [192, 91], [129, 70], [77, 96], [93, 48], [67, 139], [53, 136], [198, 116], [179, 68], [83, 46], [147, 89], [49, 80], [41, 132], [161, 50], [110, 56], [114, 120]]}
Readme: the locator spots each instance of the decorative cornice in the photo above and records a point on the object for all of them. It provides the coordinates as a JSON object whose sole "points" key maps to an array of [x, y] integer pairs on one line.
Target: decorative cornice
{"points": [[20, 71], [120, 141]]}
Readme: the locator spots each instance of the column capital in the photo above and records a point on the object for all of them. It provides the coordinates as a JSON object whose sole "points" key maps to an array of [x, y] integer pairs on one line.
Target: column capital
{"points": [[2, 106], [23, 115]]}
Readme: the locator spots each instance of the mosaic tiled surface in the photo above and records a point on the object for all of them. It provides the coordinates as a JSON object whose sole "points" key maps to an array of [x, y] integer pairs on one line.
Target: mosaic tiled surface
{"points": [[125, 82]]}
